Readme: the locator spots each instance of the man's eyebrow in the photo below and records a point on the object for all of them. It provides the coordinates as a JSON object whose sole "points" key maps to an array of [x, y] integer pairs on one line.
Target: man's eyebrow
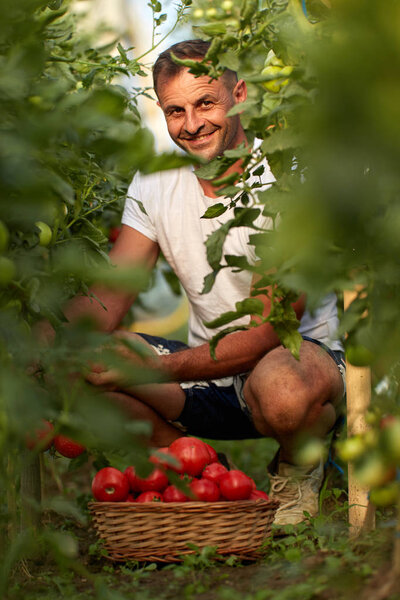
{"points": [[207, 96], [170, 107]]}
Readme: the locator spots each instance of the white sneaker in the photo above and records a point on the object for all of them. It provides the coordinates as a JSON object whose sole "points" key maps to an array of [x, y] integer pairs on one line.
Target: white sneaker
{"points": [[297, 489]]}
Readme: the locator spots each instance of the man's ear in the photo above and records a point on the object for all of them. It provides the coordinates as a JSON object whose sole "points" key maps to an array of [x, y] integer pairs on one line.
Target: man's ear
{"points": [[240, 91]]}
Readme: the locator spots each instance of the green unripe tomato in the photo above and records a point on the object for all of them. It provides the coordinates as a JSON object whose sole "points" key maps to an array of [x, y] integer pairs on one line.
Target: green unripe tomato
{"points": [[211, 12], [352, 448], [4, 237], [45, 233], [227, 4], [386, 495], [373, 471], [311, 452], [275, 85], [198, 13], [390, 438], [7, 270]]}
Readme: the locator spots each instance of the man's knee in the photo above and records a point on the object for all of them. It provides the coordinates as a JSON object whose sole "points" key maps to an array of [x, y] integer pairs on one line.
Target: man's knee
{"points": [[279, 400]]}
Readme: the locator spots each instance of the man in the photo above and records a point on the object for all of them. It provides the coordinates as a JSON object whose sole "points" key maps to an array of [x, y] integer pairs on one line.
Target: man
{"points": [[255, 387]]}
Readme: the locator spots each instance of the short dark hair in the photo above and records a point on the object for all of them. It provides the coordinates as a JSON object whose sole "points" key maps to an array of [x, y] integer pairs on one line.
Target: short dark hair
{"points": [[192, 49]]}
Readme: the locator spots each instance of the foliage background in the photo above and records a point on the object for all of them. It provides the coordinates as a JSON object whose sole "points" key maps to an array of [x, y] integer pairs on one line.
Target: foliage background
{"points": [[71, 138]]}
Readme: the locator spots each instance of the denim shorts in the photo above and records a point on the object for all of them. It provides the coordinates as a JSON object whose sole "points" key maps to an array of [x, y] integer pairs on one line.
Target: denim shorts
{"points": [[216, 409]]}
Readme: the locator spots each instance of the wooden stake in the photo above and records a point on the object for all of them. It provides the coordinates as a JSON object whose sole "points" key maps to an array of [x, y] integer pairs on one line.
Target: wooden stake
{"points": [[30, 491], [358, 384]]}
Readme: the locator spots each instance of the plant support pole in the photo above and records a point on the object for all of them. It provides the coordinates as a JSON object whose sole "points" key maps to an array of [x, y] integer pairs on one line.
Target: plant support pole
{"points": [[358, 394]]}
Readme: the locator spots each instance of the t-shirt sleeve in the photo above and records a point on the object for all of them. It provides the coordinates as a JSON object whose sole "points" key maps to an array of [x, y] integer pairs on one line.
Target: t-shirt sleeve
{"points": [[136, 210]]}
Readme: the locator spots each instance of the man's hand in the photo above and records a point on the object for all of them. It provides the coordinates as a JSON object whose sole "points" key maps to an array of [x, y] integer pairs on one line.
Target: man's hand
{"points": [[118, 364]]}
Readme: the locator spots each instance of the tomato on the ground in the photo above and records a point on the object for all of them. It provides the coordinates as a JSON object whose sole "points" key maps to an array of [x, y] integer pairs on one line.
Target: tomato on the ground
{"points": [[110, 485]]}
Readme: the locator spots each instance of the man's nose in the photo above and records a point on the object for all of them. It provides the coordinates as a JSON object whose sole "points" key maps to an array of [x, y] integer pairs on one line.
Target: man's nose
{"points": [[193, 122]]}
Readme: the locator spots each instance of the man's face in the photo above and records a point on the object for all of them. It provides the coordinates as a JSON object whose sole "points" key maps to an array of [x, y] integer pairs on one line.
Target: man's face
{"points": [[195, 110]]}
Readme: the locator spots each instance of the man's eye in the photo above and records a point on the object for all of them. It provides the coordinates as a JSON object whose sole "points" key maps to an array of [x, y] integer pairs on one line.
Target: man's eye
{"points": [[207, 102]]}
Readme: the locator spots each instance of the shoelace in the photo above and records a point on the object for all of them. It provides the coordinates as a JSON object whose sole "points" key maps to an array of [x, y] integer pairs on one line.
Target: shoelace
{"points": [[278, 486]]}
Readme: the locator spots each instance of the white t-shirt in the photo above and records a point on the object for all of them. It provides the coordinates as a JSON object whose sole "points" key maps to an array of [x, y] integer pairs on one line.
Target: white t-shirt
{"points": [[167, 208]]}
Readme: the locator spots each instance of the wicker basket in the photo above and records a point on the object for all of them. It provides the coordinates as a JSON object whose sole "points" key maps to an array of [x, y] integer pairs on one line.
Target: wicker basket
{"points": [[161, 531]]}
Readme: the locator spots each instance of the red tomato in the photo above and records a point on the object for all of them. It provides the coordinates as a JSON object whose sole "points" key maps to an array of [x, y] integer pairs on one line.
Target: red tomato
{"points": [[205, 490], [130, 498], [173, 494], [157, 481], [132, 479], [253, 483], [214, 471], [213, 454], [235, 485], [149, 497], [110, 485], [68, 447], [114, 233], [41, 438], [158, 460], [257, 494], [192, 453]]}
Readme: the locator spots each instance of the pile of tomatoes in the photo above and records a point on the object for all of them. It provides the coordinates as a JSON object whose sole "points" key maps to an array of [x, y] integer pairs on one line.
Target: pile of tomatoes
{"points": [[205, 478]]}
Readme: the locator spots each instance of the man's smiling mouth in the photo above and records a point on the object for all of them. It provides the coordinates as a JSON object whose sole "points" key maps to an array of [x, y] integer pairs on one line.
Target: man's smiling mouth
{"points": [[199, 138]]}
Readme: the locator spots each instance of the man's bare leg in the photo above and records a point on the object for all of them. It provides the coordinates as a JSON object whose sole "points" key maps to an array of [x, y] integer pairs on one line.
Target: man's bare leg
{"points": [[163, 433], [288, 397]]}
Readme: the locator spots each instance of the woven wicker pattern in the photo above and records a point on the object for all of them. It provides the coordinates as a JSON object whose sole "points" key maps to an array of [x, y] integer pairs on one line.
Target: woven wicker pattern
{"points": [[161, 531]]}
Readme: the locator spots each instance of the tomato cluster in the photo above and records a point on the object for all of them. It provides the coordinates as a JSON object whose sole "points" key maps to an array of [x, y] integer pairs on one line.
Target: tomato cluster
{"points": [[43, 438], [194, 460]]}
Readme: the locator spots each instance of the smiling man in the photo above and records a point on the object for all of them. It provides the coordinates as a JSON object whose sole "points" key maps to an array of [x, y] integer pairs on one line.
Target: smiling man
{"points": [[255, 388]]}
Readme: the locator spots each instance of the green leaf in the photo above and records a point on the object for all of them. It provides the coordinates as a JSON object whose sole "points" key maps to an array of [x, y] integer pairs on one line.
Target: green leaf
{"points": [[213, 169], [209, 281], [281, 140], [249, 306], [214, 211], [212, 29], [216, 338], [89, 230], [215, 243], [230, 60]]}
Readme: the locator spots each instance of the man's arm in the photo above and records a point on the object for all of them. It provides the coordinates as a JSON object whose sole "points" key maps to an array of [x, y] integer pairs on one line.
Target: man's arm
{"points": [[236, 353], [132, 248]]}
